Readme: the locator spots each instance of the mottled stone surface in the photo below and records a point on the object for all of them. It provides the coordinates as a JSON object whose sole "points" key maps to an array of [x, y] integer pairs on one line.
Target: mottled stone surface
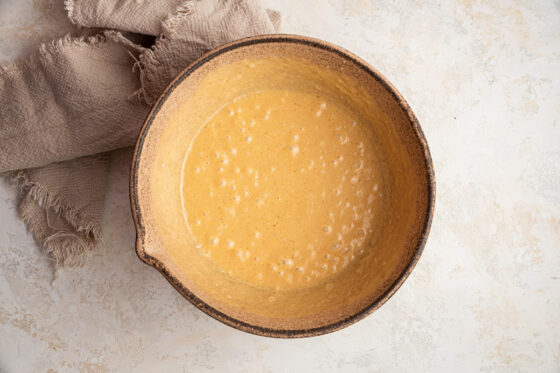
{"points": [[484, 80]]}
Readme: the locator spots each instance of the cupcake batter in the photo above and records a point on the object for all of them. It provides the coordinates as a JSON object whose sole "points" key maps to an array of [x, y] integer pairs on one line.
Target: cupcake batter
{"points": [[279, 188]]}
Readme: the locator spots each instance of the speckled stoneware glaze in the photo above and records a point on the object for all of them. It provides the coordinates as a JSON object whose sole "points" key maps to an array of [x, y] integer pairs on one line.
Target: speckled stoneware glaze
{"points": [[408, 191]]}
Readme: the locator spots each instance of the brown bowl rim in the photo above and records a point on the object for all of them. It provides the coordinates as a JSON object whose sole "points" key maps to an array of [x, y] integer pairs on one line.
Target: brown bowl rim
{"points": [[203, 306]]}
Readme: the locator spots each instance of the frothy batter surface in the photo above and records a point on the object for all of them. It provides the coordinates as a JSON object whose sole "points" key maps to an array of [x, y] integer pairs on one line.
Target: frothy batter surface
{"points": [[279, 189]]}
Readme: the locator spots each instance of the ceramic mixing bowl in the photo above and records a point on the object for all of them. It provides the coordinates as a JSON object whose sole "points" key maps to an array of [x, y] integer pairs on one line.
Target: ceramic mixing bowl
{"points": [[405, 166]]}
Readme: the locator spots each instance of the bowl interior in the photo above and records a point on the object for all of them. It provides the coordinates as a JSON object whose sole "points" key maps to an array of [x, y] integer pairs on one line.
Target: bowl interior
{"points": [[401, 219]]}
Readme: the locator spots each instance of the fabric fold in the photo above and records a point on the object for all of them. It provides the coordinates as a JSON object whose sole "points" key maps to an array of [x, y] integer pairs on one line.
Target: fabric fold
{"points": [[62, 106], [199, 28], [68, 100], [143, 17], [62, 205]]}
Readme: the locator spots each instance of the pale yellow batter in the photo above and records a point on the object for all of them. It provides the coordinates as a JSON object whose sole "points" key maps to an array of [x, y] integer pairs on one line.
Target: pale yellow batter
{"points": [[278, 189]]}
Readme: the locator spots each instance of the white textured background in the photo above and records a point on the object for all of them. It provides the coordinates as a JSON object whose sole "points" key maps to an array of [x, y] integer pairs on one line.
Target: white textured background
{"points": [[483, 77]]}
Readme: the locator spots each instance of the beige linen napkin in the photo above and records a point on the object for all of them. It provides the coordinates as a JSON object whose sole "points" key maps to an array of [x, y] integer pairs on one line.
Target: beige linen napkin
{"points": [[143, 17], [76, 99]]}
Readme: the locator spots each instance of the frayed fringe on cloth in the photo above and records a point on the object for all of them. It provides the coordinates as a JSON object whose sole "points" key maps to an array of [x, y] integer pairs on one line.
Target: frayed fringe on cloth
{"points": [[64, 247]]}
